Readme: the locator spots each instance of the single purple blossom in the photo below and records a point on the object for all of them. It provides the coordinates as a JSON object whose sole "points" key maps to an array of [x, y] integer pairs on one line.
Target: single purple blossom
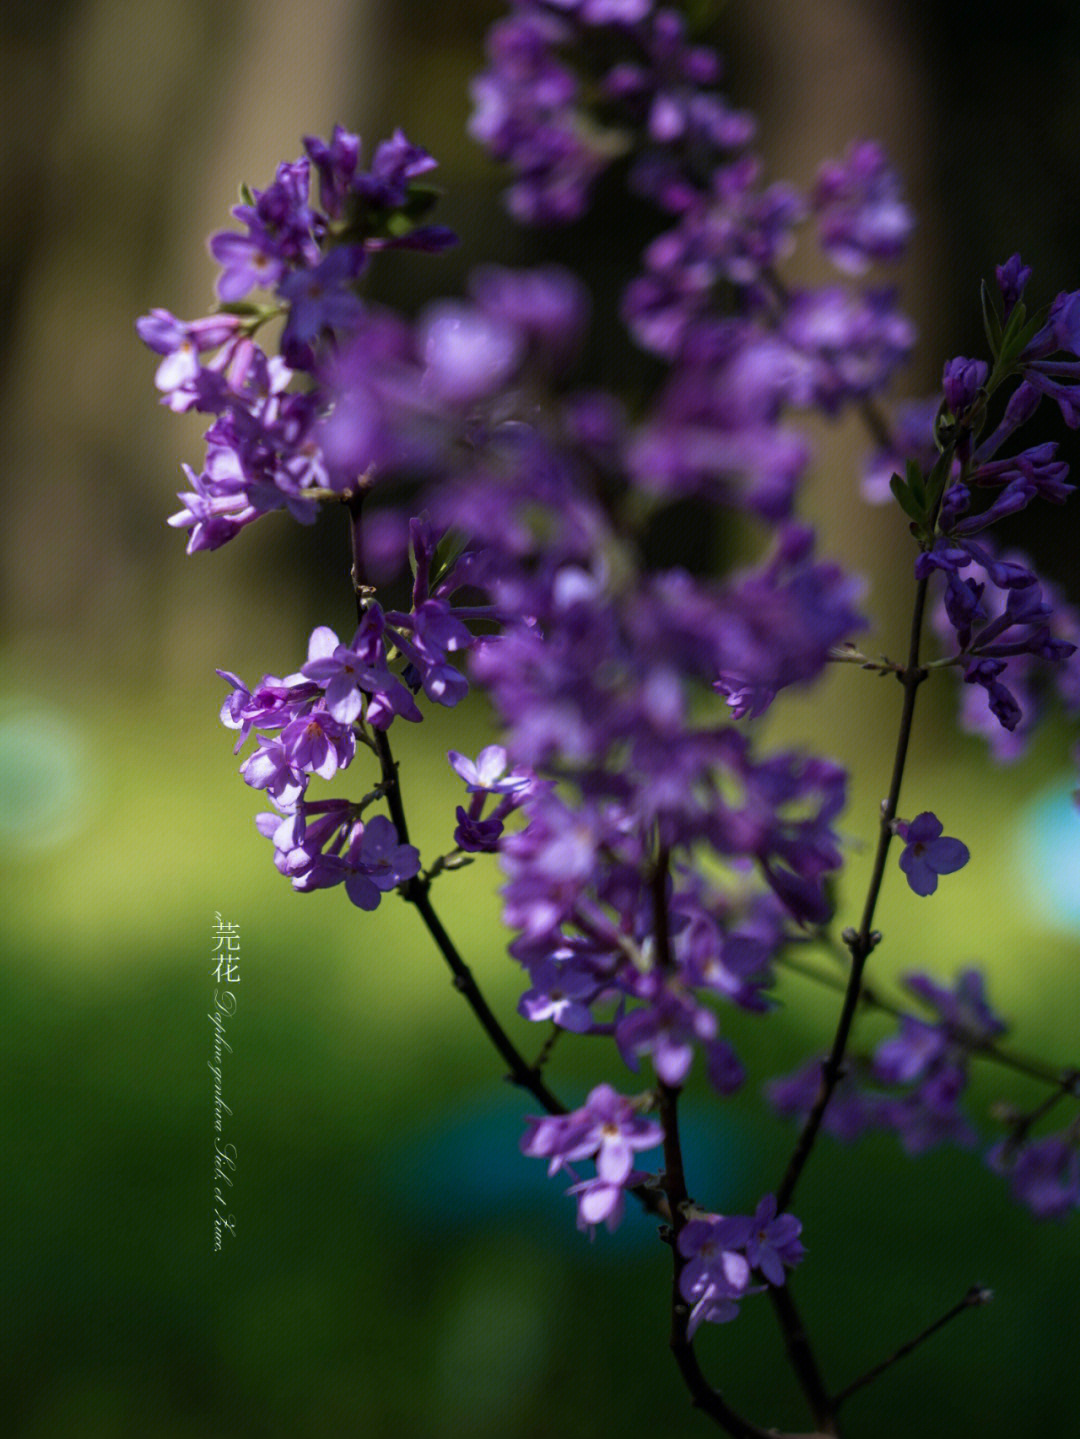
{"points": [[248, 261], [487, 773], [773, 1243], [375, 862], [927, 853], [716, 1275], [1044, 1173], [1012, 277]]}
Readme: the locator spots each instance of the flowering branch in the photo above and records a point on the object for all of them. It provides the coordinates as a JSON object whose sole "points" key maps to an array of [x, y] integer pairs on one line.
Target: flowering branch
{"points": [[662, 852], [415, 890]]}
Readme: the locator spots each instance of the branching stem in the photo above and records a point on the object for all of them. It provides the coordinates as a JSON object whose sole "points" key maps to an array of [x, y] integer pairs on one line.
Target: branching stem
{"points": [[862, 942]]}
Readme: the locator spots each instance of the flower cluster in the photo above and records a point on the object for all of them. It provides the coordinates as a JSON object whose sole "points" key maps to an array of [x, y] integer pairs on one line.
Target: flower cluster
{"points": [[723, 1253], [1003, 622], [608, 1130], [263, 452], [658, 854], [914, 1084]]}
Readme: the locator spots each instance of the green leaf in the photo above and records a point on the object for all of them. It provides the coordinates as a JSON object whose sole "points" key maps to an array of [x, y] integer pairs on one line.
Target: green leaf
{"points": [[419, 200], [916, 484], [935, 481], [1015, 344], [245, 309], [1014, 323], [906, 500], [991, 321], [246, 196], [446, 553]]}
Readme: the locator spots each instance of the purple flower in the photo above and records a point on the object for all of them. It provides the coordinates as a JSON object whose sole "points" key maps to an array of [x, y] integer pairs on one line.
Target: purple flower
{"points": [[860, 213], [319, 744], [1012, 277], [336, 163], [270, 767], [182, 342], [667, 1031], [1044, 1173], [716, 1275], [608, 1129], [487, 774], [396, 161], [930, 1114], [322, 298], [961, 382], [927, 853], [468, 354], [773, 1242], [599, 1202], [248, 262], [561, 993], [348, 673], [375, 862]]}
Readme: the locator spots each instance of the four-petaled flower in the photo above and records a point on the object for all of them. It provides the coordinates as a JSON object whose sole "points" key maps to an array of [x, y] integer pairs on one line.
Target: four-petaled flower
{"points": [[928, 853]]}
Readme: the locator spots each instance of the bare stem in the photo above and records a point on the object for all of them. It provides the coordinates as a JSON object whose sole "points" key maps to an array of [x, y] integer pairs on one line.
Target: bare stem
{"points": [[802, 1359], [862, 942], [975, 1296], [702, 1395]]}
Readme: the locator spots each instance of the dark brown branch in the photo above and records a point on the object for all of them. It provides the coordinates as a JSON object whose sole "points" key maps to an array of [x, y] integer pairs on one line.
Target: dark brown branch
{"points": [[862, 942], [702, 1395], [522, 1073], [801, 1357]]}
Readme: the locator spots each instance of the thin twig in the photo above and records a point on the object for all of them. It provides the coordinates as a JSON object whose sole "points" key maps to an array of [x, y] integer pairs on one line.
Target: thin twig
{"points": [[860, 945], [975, 1296], [976, 1047], [521, 1072], [863, 942], [702, 1395]]}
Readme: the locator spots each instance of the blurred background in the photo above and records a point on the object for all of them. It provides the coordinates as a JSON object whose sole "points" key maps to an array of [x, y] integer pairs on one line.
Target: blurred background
{"points": [[398, 1268]]}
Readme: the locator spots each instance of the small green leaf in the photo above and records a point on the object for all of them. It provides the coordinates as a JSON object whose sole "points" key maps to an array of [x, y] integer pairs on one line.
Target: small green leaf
{"points": [[935, 481], [916, 484], [244, 309], [991, 321], [419, 200], [246, 195], [446, 554], [1014, 345], [944, 428], [1014, 323], [906, 500]]}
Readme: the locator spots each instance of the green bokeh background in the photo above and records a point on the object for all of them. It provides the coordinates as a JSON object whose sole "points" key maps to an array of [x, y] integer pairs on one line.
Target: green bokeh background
{"points": [[398, 1268]]}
